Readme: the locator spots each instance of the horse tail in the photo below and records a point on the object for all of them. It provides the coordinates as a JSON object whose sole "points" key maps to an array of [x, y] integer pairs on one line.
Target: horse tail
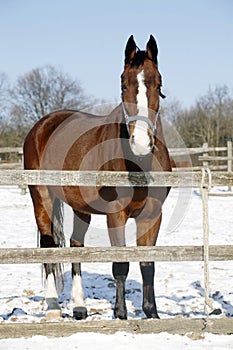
{"points": [[57, 223], [59, 238]]}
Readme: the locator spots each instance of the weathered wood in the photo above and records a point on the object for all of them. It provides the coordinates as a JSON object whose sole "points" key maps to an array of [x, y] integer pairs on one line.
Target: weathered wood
{"points": [[189, 151], [11, 150], [221, 194], [110, 178], [230, 159], [109, 254], [176, 325], [229, 156], [93, 178], [205, 153], [172, 151], [198, 168], [211, 158], [17, 165]]}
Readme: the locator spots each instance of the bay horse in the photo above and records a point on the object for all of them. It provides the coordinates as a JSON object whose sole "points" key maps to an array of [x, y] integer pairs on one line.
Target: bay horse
{"points": [[130, 138]]}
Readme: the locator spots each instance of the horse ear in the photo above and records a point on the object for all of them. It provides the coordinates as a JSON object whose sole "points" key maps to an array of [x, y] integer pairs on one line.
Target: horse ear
{"points": [[152, 49], [130, 50]]}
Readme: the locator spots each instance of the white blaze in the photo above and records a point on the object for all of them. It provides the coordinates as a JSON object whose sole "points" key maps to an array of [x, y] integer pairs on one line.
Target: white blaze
{"points": [[141, 141], [142, 102]]}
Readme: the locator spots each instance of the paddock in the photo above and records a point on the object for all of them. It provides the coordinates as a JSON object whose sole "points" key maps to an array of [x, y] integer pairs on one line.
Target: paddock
{"points": [[189, 253]]}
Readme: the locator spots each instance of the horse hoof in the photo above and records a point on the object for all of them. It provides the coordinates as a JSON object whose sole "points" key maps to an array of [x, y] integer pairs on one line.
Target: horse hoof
{"points": [[80, 313], [155, 316], [121, 315], [152, 315], [53, 310], [53, 314], [151, 312]]}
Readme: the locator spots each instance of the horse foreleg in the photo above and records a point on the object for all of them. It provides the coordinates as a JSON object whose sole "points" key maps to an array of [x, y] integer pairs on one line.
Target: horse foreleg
{"points": [[147, 233], [149, 304], [81, 224], [116, 229], [120, 273]]}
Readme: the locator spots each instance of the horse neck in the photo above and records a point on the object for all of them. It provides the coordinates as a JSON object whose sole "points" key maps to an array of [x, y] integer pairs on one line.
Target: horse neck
{"points": [[159, 128]]}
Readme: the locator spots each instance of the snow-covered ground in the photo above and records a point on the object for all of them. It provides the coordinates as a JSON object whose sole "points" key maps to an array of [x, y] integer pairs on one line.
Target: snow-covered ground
{"points": [[179, 285]]}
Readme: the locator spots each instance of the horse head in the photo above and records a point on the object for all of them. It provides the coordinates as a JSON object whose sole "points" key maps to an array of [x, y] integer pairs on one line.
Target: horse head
{"points": [[141, 88]]}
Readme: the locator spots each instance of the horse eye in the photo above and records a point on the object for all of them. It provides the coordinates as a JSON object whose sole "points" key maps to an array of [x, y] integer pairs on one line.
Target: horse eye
{"points": [[123, 87]]}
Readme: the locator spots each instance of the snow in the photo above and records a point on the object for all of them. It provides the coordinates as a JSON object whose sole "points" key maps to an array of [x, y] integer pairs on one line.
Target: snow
{"points": [[122, 341], [179, 285]]}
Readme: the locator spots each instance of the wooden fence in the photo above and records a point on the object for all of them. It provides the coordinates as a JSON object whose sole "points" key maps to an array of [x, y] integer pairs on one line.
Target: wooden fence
{"points": [[16, 163], [206, 156], [181, 253], [110, 178]]}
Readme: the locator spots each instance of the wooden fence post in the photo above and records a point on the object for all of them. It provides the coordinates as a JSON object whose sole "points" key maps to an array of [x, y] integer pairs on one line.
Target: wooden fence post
{"points": [[229, 161], [205, 154], [23, 188]]}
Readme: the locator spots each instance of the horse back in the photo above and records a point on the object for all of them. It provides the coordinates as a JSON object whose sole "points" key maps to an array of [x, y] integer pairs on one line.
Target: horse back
{"points": [[66, 139]]}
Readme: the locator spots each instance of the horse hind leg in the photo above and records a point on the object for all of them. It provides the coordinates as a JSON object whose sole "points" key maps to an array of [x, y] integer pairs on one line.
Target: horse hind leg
{"points": [[81, 224], [53, 310], [45, 208]]}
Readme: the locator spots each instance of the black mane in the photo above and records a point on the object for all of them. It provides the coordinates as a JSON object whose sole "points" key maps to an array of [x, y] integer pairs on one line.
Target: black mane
{"points": [[139, 58]]}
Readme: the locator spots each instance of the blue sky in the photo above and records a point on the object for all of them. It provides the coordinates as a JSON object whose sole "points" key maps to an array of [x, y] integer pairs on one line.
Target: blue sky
{"points": [[86, 39]]}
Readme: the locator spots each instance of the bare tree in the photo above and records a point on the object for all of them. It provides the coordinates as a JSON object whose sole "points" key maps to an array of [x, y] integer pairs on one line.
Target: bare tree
{"points": [[210, 120], [215, 105], [171, 111], [4, 104], [44, 90], [4, 94]]}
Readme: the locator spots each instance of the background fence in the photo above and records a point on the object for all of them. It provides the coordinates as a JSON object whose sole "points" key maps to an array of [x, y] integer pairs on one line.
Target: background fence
{"points": [[216, 158], [186, 253], [182, 159]]}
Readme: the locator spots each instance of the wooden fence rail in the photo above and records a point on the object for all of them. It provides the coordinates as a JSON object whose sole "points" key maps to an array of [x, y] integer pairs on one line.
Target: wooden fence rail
{"points": [[110, 178], [179, 164], [96, 254], [172, 151], [18, 150], [117, 254], [193, 326]]}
